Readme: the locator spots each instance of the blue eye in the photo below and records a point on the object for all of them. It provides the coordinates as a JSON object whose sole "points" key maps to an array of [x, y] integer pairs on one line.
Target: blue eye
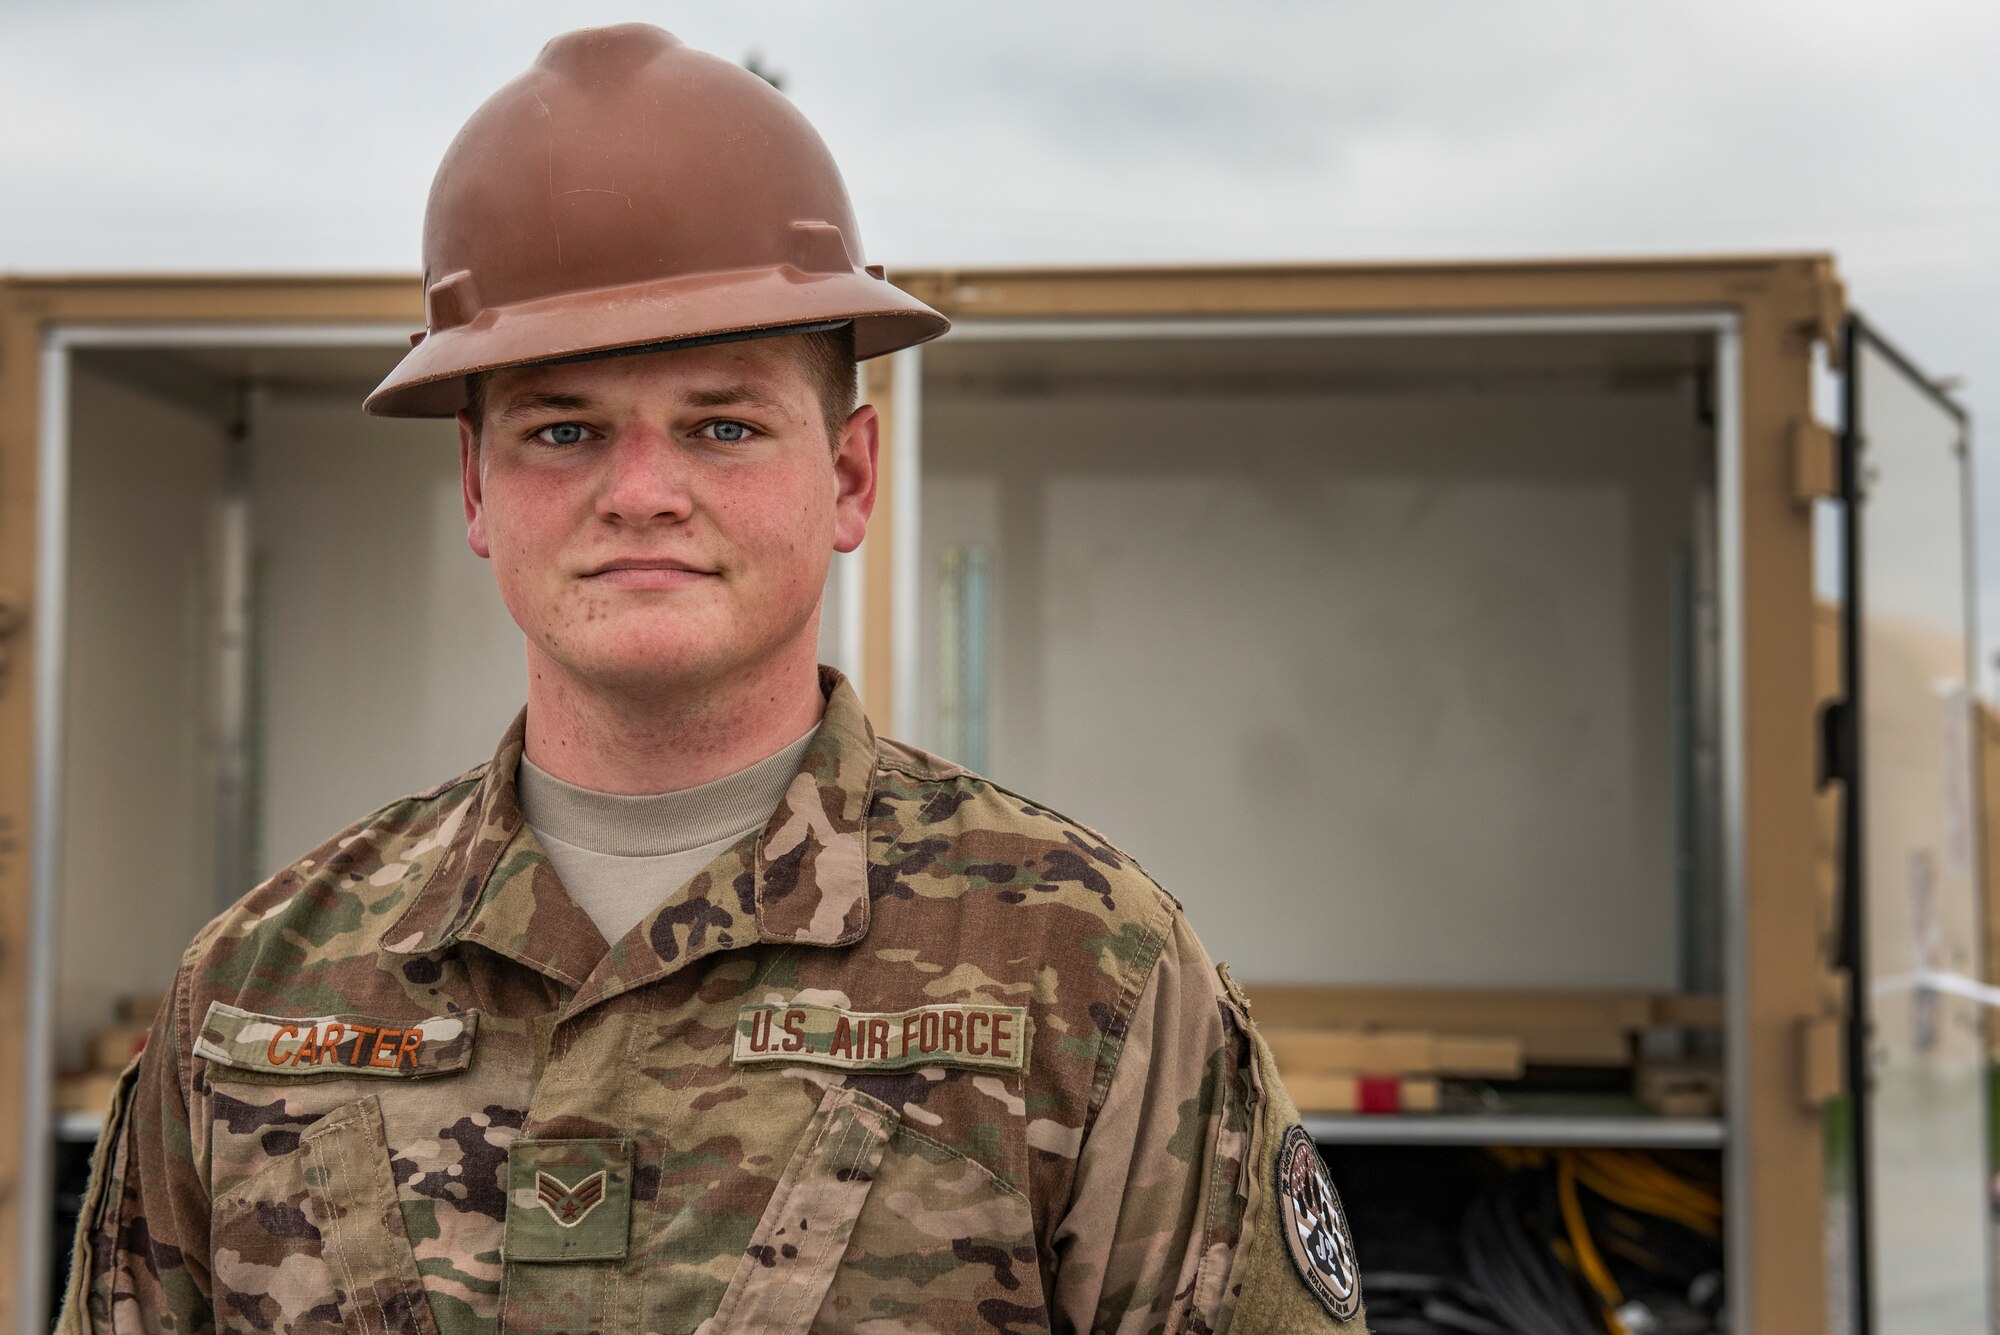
{"points": [[729, 433], [562, 433]]}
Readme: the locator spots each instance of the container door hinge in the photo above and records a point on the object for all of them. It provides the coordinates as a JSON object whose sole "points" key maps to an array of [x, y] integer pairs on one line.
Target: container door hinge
{"points": [[1815, 462], [13, 620], [1822, 1060]]}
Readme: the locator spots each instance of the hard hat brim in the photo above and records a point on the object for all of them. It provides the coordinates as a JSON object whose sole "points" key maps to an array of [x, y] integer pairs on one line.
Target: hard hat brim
{"points": [[681, 311]]}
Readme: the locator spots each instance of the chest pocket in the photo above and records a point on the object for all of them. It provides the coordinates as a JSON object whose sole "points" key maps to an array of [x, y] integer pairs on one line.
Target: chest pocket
{"points": [[314, 1243], [873, 1222]]}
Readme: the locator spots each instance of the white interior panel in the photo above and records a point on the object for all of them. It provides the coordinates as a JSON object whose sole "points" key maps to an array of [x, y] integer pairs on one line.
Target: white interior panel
{"points": [[389, 661], [139, 785], [1380, 684]]}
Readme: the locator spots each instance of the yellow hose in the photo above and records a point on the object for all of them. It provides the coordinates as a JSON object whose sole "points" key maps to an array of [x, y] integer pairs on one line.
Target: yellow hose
{"points": [[1587, 1260]]}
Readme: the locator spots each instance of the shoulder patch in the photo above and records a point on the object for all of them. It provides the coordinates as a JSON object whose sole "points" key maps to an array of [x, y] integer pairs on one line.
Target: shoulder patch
{"points": [[335, 1045], [992, 1038], [1315, 1227]]}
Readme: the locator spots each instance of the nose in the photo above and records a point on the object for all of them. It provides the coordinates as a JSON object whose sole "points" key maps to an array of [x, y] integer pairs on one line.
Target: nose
{"points": [[646, 479]]}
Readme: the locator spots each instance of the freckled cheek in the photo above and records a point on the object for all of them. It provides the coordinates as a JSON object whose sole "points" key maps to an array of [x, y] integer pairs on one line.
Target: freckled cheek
{"points": [[795, 533], [769, 521], [529, 525]]}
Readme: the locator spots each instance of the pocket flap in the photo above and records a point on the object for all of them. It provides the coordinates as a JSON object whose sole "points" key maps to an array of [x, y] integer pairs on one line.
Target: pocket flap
{"points": [[785, 1272], [352, 1187]]}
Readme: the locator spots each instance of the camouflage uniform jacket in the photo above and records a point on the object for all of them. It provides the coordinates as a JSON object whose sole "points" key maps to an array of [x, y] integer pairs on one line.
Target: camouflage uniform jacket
{"points": [[922, 1055]]}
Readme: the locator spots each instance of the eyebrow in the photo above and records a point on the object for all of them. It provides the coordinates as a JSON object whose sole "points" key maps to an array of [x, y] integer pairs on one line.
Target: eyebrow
{"points": [[722, 396], [527, 404], [733, 396]]}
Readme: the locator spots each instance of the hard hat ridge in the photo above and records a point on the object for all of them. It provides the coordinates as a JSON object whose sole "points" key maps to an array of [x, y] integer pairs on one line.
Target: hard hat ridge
{"points": [[627, 192], [613, 51]]}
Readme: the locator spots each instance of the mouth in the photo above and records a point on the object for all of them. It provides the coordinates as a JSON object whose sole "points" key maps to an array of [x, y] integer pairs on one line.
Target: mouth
{"points": [[638, 572]]}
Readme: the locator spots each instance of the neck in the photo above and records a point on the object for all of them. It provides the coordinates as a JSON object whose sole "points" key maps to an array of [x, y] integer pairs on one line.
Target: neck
{"points": [[678, 737]]}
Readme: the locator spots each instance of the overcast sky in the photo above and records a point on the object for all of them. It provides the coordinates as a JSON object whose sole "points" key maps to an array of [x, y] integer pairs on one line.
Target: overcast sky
{"points": [[162, 135]]}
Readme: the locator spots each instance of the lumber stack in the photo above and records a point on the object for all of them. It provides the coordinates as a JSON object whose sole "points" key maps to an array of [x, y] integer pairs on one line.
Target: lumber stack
{"points": [[1384, 1070], [1398, 1049], [106, 1054]]}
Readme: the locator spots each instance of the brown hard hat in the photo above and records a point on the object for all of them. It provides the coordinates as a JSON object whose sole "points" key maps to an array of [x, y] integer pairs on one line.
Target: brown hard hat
{"points": [[629, 192]]}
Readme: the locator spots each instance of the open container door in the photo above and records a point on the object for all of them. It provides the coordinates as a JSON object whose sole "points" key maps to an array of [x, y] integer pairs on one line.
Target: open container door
{"points": [[1911, 897]]}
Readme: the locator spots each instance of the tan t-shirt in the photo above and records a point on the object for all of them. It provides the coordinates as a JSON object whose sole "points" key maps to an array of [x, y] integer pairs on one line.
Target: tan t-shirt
{"points": [[620, 857]]}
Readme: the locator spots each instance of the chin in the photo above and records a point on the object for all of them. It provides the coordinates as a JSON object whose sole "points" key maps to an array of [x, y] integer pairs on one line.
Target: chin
{"points": [[650, 660], [638, 667], [648, 652]]}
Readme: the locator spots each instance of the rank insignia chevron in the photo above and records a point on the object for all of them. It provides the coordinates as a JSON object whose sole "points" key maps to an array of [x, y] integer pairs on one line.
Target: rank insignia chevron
{"points": [[569, 1206]]}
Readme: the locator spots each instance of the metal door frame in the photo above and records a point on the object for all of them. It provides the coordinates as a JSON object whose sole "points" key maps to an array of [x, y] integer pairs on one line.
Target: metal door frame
{"points": [[1853, 956]]}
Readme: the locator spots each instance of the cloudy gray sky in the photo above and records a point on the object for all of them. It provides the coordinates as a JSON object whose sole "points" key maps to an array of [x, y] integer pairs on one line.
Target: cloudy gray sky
{"points": [[208, 135]]}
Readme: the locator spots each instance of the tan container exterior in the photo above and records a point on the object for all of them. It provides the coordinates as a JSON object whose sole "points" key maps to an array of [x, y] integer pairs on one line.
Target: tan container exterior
{"points": [[1783, 305]]}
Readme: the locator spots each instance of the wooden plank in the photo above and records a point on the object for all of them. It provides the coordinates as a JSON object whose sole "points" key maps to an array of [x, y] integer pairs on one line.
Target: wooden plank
{"points": [[1394, 1052], [1354, 1051], [1495, 1057], [1554, 1027], [1350, 1094]]}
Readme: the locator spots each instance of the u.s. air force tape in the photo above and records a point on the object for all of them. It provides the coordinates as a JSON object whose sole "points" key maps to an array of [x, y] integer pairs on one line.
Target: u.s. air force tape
{"points": [[991, 1038]]}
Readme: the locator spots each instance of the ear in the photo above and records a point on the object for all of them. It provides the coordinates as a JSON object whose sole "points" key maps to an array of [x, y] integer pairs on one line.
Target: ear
{"points": [[854, 472], [472, 485]]}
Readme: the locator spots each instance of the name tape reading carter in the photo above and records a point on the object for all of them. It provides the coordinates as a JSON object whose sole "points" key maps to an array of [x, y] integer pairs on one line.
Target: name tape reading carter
{"points": [[331, 1045]]}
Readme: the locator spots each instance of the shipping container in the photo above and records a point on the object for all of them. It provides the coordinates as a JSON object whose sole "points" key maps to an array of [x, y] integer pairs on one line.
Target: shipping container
{"points": [[1595, 635]]}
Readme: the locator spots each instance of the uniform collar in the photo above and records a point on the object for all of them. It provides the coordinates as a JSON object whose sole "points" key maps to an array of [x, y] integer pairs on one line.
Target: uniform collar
{"points": [[803, 879]]}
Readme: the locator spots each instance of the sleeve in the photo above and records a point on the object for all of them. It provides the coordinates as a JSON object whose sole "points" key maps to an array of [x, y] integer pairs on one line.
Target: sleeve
{"points": [[1178, 1219], [141, 1257]]}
